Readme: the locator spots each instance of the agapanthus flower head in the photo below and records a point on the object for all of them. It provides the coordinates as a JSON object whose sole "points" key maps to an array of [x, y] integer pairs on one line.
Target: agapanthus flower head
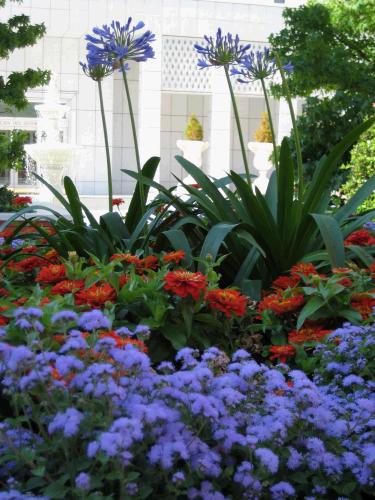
{"points": [[117, 44], [97, 69], [224, 50], [258, 65]]}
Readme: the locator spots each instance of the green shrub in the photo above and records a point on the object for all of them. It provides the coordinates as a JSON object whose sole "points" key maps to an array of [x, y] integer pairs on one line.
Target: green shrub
{"points": [[263, 132], [193, 130], [361, 167]]}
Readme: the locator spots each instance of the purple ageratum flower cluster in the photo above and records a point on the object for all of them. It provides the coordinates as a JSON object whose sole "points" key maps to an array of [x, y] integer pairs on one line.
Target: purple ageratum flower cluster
{"points": [[251, 421], [224, 50], [346, 359], [257, 65], [113, 46], [370, 226]]}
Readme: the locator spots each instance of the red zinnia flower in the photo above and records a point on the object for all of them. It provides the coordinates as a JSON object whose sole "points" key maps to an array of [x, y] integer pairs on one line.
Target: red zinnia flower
{"points": [[51, 274], [362, 237], [67, 286], [116, 202], [26, 265], [282, 352], [97, 295], [174, 257], [307, 334], [284, 282], [22, 200], [4, 292], [184, 283], [304, 269], [123, 279], [227, 301], [279, 304]]}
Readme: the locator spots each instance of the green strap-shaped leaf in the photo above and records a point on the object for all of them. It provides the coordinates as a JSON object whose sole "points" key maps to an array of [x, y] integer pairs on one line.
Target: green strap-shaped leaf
{"points": [[356, 200], [213, 241], [357, 223], [135, 210], [311, 306], [56, 193], [327, 165], [252, 288], [285, 194], [209, 188], [332, 237], [179, 241], [247, 266], [113, 223], [74, 201], [362, 254]]}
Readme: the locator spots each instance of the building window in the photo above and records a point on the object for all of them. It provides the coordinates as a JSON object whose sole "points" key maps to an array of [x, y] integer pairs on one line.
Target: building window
{"points": [[278, 1]]}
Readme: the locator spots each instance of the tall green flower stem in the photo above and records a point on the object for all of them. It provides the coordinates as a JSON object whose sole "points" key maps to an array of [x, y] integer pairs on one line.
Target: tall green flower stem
{"points": [[108, 156], [288, 98], [271, 122], [134, 131], [238, 123]]}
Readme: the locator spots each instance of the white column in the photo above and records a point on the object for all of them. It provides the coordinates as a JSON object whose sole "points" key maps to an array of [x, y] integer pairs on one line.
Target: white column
{"points": [[285, 120], [149, 105], [219, 163]]}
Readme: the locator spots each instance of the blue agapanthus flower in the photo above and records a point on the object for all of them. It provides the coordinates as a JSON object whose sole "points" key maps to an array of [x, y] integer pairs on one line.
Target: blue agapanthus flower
{"points": [[114, 45], [222, 51], [258, 65], [95, 69]]}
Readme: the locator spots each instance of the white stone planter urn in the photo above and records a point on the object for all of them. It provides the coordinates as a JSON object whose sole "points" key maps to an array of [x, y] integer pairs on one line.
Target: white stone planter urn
{"points": [[262, 152], [193, 152]]}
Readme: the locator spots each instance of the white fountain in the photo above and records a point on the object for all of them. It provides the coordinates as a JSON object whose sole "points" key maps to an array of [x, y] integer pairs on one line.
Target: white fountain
{"points": [[52, 156]]}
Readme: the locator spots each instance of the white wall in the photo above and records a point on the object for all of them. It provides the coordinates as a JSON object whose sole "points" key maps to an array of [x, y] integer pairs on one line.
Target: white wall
{"points": [[176, 110]]}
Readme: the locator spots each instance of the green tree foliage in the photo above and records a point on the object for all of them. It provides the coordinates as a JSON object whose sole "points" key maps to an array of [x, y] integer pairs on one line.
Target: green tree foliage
{"points": [[17, 33], [331, 44], [361, 168]]}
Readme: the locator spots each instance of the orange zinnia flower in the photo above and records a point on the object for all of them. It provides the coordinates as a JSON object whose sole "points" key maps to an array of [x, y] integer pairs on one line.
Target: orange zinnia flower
{"points": [[51, 274], [22, 200], [52, 256], [304, 269], [67, 286], [123, 279], [97, 295], [184, 283], [282, 352], [149, 262], [307, 334], [227, 301], [174, 257], [125, 258], [123, 341], [363, 303], [4, 292], [279, 304], [284, 282]]}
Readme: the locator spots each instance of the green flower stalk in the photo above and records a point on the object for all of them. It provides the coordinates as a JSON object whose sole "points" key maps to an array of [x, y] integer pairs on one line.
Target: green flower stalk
{"points": [[97, 72], [225, 51]]}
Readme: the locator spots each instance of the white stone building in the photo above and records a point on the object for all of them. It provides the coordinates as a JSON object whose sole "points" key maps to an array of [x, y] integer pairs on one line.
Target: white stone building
{"points": [[165, 90]]}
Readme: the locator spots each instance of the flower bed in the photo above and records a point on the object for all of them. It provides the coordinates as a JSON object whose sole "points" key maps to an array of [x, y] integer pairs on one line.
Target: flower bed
{"points": [[205, 427]]}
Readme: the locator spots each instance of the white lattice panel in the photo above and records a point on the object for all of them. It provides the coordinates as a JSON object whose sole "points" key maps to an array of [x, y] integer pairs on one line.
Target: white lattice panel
{"points": [[180, 72]]}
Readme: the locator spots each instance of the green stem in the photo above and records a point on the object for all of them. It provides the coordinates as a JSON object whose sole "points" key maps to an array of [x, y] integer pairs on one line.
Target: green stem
{"points": [[271, 122], [288, 98], [238, 123], [109, 169], [134, 131]]}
